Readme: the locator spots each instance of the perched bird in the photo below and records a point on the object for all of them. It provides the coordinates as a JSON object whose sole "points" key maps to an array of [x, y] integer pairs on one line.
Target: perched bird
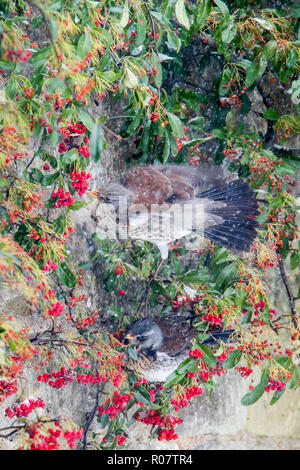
{"points": [[162, 343], [165, 203]]}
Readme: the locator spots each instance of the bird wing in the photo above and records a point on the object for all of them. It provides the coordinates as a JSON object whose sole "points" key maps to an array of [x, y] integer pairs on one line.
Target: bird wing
{"points": [[177, 334], [147, 185], [200, 178]]}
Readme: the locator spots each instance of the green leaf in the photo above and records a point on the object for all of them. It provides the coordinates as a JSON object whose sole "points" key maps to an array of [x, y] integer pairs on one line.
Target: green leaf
{"points": [[4, 183], [66, 276], [255, 394], [141, 28], [252, 74], [196, 277], [40, 57], [86, 119], [125, 15], [48, 180], [208, 357], [295, 260], [224, 9], [228, 33], [53, 28], [233, 359], [173, 378], [276, 396], [96, 142], [77, 205], [173, 41], [202, 12], [84, 44], [11, 89], [292, 58], [271, 114], [67, 158], [197, 122], [186, 365], [181, 14], [60, 224], [158, 75], [139, 397], [36, 175], [227, 275], [176, 124]]}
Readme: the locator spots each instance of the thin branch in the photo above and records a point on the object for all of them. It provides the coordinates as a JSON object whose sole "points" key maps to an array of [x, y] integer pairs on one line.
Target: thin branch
{"points": [[288, 291], [152, 27], [82, 445]]}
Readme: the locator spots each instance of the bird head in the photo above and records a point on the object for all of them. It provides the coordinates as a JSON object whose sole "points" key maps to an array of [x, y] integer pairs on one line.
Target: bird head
{"points": [[114, 194], [145, 333]]}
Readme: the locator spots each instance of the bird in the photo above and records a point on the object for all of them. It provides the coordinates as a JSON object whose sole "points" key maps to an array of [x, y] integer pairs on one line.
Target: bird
{"points": [[164, 203], [163, 343]]}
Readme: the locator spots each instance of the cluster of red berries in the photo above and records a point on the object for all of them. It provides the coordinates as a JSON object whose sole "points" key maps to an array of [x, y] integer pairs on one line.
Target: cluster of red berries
{"points": [[167, 434], [32, 201], [180, 301], [49, 266], [196, 353], [82, 323], [80, 181], [50, 440], [63, 377], [83, 150], [213, 319], [222, 357], [275, 385], [244, 371], [17, 56], [233, 100], [183, 400], [71, 131], [234, 153], [151, 393], [56, 309], [89, 378], [42, 442], [119, 270], [205, 374], [167, 423], [74, 128], [115, 405], [260, 308], [7, 388], [120, 438], [72, 436], [63, 199], [24, 408]]}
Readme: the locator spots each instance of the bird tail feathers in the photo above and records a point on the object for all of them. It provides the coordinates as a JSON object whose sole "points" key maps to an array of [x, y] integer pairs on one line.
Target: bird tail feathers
{"points": [[231, 218]]}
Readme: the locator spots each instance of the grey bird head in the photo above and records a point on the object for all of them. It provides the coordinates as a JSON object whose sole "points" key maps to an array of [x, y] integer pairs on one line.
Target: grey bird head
{"points": [[145, 333], [114, 194]]}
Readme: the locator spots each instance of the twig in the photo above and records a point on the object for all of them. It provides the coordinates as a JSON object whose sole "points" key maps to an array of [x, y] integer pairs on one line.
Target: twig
{"points": [[152, 27], [288, 291], [107, 129], [83, 442]]}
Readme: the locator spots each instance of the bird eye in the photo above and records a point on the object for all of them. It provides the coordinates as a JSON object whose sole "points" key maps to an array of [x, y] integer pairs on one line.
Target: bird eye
{"points": [[143, 337], [106, 199]]}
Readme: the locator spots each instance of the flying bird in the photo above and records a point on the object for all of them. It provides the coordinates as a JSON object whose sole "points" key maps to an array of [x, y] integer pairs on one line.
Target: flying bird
{"points": [[162, 343], [164, 203]]}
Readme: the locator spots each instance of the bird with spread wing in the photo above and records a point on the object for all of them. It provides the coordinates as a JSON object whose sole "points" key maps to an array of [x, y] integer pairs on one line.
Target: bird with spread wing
{"points": [[165, 203]]}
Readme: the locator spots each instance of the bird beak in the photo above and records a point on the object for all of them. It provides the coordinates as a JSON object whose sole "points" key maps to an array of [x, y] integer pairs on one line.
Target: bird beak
{"points": [[95, 193], [130, 337]]}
